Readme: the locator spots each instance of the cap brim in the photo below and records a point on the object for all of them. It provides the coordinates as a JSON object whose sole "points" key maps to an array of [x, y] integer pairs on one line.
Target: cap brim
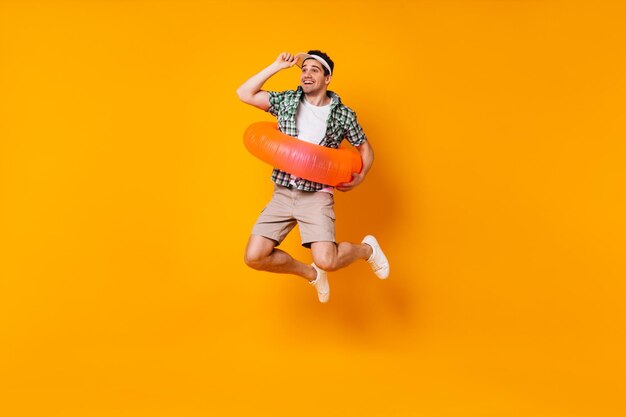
{"points": [[300, 57]]}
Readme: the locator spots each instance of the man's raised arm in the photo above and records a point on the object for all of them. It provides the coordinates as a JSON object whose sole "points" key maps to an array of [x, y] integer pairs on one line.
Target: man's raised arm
{"points": [[250, 92]]}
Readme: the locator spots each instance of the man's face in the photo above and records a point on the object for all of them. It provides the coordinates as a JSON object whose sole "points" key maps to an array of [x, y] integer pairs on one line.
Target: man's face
{"points": [[312, 78]]}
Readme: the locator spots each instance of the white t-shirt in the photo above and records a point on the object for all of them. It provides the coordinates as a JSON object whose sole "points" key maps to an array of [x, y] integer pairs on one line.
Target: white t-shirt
{"points": [[311, 121], [311, 125]]}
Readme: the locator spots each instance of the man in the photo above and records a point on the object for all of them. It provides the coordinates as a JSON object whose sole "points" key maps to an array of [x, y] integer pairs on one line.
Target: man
{"points": [[314, 114]]}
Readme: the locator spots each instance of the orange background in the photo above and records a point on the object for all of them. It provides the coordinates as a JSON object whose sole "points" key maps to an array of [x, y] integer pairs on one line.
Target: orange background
{"points": [[126, 199]]}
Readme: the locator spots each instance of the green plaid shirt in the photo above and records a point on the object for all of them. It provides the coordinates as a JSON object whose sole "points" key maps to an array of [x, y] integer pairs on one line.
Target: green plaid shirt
{"points": [[341, 124]]}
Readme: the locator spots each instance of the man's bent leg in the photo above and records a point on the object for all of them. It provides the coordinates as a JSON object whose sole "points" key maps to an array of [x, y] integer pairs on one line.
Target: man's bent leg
{"points": [[261, 254], [331, 256]]}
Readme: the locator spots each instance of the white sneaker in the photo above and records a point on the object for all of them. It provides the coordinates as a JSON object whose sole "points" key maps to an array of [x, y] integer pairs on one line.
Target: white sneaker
{"points": [[321, 284], [378, 261]]}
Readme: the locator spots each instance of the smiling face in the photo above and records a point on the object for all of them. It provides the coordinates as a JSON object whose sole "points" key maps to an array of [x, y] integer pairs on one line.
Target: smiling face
{"points": [[312, 78]]}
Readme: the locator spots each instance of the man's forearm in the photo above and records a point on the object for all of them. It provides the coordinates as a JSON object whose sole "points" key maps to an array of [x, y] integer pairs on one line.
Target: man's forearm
{"points": [[367, 157], [254, 84]]}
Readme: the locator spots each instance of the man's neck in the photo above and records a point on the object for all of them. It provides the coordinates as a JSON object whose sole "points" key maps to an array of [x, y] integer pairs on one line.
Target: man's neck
{"points": [[317, 99]]}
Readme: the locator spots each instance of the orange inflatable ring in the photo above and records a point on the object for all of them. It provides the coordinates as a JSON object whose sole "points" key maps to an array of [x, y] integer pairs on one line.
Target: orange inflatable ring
{"points": [[302, 159]]}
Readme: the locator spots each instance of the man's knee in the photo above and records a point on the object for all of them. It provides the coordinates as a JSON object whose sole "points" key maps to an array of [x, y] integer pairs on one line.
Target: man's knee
{"points": [[257, 252], [254, 259], [325, 261]]}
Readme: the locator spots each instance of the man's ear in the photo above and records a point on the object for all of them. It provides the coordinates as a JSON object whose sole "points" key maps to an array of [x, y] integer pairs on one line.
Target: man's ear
{"points": [[328, 78]]}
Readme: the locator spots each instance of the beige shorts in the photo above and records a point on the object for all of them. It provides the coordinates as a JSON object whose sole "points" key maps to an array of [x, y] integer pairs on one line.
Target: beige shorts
{"points": [[312, 211]]}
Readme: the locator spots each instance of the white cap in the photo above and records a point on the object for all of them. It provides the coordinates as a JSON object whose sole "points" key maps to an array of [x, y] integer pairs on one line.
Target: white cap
{"points": [[300, 57]]}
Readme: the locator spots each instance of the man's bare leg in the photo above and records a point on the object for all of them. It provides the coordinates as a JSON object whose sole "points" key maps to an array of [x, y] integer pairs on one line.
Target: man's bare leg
{"points": [[331, 256], [261, 254]]}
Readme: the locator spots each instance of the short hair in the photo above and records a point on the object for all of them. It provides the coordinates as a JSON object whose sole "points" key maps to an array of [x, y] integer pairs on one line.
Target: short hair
{"points": [[326, 58]]}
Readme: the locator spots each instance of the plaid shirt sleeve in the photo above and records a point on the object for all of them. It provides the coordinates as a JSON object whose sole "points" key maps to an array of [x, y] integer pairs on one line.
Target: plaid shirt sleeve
{"points": [[354, 131], [276, 97]]}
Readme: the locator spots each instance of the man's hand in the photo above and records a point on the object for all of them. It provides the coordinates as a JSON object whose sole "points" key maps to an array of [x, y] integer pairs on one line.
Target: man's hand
{"points": [[356, 180], [285, 60], [367, 157]]}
